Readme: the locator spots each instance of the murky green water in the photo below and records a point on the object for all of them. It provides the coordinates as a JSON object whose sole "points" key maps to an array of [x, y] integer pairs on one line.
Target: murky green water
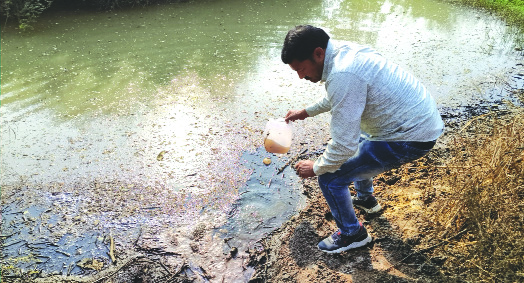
{"points": [[143, 116]]}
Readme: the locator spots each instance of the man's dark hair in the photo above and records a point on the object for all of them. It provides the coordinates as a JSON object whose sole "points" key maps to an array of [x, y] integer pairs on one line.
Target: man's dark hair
{"points": [[301, 41]]}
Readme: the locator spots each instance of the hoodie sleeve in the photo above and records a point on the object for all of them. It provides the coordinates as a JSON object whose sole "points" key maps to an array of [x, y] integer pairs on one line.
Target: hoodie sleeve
{"points": [[319, 107], [346, 97]]}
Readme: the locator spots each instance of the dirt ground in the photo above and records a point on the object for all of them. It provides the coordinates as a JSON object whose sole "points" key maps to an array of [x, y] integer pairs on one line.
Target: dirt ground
{"points": [[290, 254]]}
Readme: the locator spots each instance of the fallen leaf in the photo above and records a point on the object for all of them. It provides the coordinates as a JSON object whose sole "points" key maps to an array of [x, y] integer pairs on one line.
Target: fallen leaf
{"points": [[160, 156]]}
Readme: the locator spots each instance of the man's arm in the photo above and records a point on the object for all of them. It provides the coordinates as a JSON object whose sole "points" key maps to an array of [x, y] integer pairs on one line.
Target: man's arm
{"points": [[347, 94], [293, 115]]}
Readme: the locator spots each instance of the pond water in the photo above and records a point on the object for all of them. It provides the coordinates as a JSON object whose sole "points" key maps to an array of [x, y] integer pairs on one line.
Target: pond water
{"points": [[149, 121]]}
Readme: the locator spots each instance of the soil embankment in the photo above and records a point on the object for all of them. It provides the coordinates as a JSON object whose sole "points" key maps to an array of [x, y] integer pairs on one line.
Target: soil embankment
{"points": [[406, 247], [291, 252]]}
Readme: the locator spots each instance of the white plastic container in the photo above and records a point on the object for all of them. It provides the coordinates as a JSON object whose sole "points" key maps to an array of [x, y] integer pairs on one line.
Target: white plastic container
{"points": [[278, 136]]}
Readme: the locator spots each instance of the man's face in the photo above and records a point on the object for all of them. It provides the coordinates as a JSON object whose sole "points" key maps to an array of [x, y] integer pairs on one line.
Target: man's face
{"points": [[310, 69], [307, 69]]}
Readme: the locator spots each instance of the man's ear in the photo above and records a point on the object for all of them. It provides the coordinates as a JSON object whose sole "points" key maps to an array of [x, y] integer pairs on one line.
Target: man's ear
{"points": [[318, 54]]}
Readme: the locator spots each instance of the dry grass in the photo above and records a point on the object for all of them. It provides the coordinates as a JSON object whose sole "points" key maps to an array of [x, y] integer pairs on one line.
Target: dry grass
{"points": [[481, 194]]}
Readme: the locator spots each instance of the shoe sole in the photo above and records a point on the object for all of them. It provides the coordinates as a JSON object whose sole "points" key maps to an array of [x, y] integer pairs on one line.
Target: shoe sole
{"points": [[354, 245], [374, 209]]}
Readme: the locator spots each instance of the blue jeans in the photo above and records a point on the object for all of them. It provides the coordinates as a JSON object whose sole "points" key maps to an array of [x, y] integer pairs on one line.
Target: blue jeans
{"points": [[371, 159]]}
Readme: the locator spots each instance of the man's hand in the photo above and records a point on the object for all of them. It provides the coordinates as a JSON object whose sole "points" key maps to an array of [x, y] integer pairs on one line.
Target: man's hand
{"points": [[304, 169], [293, 115]]}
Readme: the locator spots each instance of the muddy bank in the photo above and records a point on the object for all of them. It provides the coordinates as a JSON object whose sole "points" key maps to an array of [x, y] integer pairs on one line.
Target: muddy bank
{"points": [[290, 253], [402, 249]]}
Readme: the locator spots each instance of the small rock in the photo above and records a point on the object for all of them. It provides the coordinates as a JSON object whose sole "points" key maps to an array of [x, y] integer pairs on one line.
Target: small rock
{"points": [[194, 247], [233, 252]]}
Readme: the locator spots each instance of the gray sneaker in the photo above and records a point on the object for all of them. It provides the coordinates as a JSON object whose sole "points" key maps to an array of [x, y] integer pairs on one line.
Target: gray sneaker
{"points": [[338, 242], [369, 204]]}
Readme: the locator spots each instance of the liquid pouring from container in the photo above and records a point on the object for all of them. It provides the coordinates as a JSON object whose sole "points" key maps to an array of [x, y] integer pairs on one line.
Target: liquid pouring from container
{"points": [[278, 136]]}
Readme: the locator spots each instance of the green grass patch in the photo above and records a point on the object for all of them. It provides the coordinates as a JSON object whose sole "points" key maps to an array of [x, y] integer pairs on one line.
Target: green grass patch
{"points": [[510, 10]]}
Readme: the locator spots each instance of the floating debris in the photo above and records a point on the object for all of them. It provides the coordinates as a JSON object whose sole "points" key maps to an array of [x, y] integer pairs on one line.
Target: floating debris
{"points": [[267, 160], [112, 249], [233, 251], [160, 156], [90, 263]]}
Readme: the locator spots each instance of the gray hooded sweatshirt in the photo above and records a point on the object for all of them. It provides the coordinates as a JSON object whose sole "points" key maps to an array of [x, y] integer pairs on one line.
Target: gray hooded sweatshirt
{"points": [[369, 95]]}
